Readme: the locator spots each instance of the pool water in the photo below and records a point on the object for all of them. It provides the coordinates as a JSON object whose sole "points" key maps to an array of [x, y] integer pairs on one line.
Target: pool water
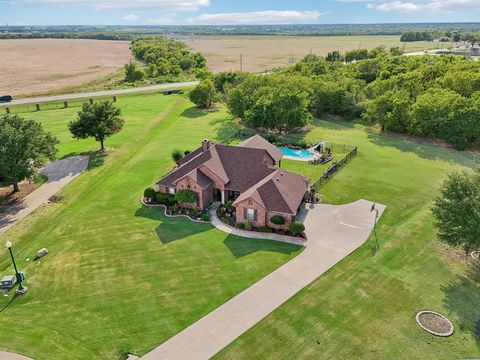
{"points": [[301, 154]]}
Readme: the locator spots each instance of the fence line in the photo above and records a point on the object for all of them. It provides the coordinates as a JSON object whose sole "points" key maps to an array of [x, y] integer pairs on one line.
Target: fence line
{"points": [[52, 105], [317, 185]]}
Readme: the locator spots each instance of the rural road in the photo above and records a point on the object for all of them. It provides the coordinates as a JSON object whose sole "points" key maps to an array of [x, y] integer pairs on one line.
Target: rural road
{"points": [[99, 93], [59, 174], [333, 232]]}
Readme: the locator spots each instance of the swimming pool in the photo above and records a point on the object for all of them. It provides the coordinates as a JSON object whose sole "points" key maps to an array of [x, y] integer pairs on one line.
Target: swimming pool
{"points": [[302, 154]]}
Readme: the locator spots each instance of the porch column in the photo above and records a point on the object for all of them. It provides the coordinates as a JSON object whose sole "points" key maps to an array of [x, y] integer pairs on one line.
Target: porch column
{"points": [[223, 196]]}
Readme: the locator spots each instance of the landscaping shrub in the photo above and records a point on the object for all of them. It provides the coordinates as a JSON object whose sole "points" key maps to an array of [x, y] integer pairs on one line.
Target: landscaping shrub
{"points": [[296, 227], [277, 220], [280, 232], [165, 199], [186, 196], [149, 193], [241, 225], [229, 206], [248, 226], [177, 154], [265, 229], [205, 217], [174, 208]]}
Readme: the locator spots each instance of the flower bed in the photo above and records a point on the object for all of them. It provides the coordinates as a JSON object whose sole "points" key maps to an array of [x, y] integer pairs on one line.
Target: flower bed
{"points": [[226, 214], [172, 209], [434, 323]]}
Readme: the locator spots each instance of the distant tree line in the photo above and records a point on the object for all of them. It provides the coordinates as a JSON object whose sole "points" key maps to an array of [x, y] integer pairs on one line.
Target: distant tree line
{"points": [[449, 35], [436, 97], [126, 32], [165, 60]]}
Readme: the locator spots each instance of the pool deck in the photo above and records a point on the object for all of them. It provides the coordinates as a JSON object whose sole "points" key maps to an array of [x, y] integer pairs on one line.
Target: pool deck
{"points": [[298, 158]]}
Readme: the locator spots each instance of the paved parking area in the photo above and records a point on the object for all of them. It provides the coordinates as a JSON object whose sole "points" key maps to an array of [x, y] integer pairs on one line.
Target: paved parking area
{"points": [[333, 231], [59, 174]]}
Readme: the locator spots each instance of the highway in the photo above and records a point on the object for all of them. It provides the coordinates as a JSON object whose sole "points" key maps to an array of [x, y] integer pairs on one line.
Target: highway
{"points": [[63, 97]]}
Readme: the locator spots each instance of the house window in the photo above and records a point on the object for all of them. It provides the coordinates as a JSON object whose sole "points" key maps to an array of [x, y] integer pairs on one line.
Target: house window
{"points": [[250, 214], [171, 190]]}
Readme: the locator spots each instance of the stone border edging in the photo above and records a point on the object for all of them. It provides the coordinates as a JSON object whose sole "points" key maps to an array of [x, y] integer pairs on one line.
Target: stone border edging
{"points": [[446, 334], [220, 225], [475, 256], [172, 216]]}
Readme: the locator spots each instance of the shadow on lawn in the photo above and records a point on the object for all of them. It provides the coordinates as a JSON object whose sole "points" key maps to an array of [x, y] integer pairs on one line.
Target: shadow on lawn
{"points": [[241, 247], [462, 298], [97, 157], [195, 112], [424, 148], [171, 229]]}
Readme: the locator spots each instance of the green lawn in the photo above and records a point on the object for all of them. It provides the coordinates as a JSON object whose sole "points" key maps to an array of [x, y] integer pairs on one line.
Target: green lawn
{"points": [[364, 307], [123, 278], [120, 277]]}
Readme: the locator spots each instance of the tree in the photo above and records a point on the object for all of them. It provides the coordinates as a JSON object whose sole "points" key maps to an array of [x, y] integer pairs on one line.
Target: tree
{"points": [[24, 147], [203, 94], [271, 102], [446, 115], [177, 155], [99, 120], [457, 211], [335, 56], [133, 72]]}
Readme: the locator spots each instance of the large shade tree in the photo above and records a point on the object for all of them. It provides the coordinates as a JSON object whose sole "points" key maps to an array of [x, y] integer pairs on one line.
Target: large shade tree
{"points": [[99, 120], [457, 211], [24, 147]]}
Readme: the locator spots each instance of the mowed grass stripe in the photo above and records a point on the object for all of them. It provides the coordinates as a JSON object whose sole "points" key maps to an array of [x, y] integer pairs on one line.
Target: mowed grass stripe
{"points": [[120, 277]]}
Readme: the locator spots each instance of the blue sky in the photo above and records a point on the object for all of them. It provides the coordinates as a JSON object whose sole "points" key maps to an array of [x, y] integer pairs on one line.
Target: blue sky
{"points": [[165, 12]]}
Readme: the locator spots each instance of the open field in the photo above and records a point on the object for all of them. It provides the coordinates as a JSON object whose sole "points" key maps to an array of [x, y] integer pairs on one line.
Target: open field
{"points": [[123, 278], [39, 66], [267, 52], [120, 277], [364, 308]]}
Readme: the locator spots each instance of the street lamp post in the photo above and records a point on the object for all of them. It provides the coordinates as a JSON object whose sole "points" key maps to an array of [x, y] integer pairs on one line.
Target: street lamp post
{"points": [[21, 289]]}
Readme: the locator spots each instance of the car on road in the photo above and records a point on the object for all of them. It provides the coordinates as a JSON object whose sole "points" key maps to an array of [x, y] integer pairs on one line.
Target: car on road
{"points": [[5, 98]]}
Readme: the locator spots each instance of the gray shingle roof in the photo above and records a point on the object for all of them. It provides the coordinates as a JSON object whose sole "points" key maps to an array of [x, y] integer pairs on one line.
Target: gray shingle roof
{"points": [[258, 142], [281, 191]]}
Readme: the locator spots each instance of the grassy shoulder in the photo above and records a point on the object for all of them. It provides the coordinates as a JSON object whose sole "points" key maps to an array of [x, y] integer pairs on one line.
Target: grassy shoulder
{"points": [[120, 277], [364, 307]]}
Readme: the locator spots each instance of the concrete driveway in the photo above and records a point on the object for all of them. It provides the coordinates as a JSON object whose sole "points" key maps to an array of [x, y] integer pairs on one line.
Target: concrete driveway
{"points": [[59, 174], [12, 356], [334, 231]]}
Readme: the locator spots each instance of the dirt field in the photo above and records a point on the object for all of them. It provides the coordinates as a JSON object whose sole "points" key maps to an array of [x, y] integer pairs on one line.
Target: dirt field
{"points": [[261, 52], [39, 66]]}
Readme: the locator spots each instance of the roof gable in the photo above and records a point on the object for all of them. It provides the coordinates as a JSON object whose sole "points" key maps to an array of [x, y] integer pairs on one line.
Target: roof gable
{"points": [[258, 142]]}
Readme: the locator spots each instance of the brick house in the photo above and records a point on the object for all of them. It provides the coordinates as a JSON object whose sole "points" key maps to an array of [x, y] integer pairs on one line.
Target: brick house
{"points": [[246, 174]]}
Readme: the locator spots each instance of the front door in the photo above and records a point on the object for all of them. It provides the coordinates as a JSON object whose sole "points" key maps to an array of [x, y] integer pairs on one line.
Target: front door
{"points": [[217, 194]]}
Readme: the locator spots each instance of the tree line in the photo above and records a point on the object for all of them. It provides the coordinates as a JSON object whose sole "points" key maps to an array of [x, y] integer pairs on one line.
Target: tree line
{"points": [[129, 32], [164, 59], [429, 96], [449, 35]]}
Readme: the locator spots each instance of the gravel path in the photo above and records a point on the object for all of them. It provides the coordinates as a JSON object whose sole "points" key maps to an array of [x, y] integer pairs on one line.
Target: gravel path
{"points": [[59, 174]]}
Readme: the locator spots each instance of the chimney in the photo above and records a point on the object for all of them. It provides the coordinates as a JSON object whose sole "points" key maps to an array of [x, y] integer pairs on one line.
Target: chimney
{"points": [[205, 145]]}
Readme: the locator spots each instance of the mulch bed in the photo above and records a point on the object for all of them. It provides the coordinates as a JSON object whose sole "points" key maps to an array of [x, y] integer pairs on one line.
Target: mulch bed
{"points": [[434, 323]]}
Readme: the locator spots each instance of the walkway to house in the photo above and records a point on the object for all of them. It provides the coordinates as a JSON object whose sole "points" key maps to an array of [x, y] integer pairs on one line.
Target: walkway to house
{"points": [[333, 232], [250, 234], [59, 174]]}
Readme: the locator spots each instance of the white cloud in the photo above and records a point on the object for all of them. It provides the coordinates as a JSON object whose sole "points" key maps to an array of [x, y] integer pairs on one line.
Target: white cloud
{"points": [[130, 17], [145, 5], [423, 5], [257, 17]]}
